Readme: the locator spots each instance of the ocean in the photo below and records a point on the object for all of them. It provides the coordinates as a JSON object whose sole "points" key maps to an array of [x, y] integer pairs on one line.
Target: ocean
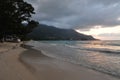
{"points": [[103, 56]]}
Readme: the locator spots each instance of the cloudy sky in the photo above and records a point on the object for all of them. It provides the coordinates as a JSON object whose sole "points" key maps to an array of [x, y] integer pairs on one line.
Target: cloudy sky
{"points": [[100, 18]]}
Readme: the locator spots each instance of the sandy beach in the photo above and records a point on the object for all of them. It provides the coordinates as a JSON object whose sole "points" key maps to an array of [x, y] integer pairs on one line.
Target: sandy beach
{"points": [[10, 66], [18, 63]]}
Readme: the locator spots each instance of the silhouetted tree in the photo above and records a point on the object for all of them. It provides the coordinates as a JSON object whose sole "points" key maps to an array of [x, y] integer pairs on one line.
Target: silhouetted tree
{"points": [[32, 24], [12, 14]]}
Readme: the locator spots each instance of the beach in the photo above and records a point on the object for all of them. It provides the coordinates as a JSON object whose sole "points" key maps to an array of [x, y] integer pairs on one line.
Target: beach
{"points": [[26, 63]]}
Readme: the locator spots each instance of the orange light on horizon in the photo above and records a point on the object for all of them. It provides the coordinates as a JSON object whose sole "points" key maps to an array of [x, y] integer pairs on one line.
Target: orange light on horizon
{"points": [[97, 31]]}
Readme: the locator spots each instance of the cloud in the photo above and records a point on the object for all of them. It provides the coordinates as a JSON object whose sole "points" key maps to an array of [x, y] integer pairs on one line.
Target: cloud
{"points": [[112, 36], [83, 14]]}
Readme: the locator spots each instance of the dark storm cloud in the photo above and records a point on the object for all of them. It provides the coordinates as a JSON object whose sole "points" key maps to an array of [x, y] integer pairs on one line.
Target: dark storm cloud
{"points": [[77, 13]]}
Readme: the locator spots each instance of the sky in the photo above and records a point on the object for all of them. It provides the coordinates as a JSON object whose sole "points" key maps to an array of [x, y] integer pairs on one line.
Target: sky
{"points": [[100, 18]]}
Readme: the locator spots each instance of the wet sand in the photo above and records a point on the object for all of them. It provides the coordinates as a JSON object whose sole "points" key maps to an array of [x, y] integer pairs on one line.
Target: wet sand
{"points": [[18, 63], [10, 66]]}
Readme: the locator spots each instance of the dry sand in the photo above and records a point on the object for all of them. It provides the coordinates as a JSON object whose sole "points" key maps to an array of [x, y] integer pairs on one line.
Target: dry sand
{"points": [[17, 63], [10, 66]]}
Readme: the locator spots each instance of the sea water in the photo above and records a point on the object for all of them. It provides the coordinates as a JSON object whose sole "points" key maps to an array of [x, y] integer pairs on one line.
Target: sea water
{"points": [[103, 56]]}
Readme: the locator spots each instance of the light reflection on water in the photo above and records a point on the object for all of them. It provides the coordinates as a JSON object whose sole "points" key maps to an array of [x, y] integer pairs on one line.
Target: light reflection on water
{"points": [[99, 55], [103, 56], [101, 45], [106, 62], [99, 61]]}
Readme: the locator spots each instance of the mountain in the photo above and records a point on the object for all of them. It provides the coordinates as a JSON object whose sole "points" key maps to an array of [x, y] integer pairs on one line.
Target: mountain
{"points": [[45, 32]]}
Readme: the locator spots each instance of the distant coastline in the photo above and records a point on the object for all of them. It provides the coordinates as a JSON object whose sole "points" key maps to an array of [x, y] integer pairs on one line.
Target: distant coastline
{"points": [[45, 32]]}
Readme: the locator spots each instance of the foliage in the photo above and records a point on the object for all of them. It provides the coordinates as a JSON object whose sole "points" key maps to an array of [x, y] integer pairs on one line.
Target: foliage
{"points": [[12, 14]]}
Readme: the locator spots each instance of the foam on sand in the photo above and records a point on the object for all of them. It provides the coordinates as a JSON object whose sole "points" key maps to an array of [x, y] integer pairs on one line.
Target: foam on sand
{"points": [[47, 68], [19, 63]]}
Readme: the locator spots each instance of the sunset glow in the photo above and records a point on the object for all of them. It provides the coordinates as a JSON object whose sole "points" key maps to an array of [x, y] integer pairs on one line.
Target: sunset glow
{"points": [[100, 17], [101, 33]]}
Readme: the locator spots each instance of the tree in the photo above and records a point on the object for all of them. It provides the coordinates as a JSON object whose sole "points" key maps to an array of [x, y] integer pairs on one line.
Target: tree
{"points": [[12, 14], [32, 24]]}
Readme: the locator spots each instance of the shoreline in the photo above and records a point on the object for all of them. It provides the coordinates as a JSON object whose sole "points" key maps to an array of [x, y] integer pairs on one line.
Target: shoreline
{"points": [[10, 66], [69, 71], [25, 63]]}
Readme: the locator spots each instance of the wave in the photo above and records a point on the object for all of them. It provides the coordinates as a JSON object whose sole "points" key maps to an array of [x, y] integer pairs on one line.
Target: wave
{"points": [[87, 57], [96, 50], [103, 51], [114, 44], [108, 48]]}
